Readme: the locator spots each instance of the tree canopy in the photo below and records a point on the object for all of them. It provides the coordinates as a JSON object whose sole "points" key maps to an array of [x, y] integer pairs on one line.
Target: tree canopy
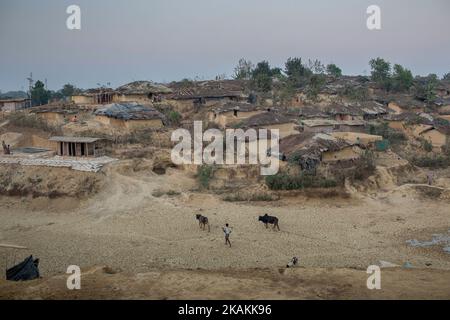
{"points": [[381, 70], [334, 71], [402, 78], [425, 88], [262, 76], [297, 73], [243, 71], [39, 95]]}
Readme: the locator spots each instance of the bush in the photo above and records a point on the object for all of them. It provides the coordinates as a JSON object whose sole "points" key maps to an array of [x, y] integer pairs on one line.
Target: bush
{"points": [[143, 136], [204, 175], [393, 136], [426, 145], [174, 117], [446, 149], [160, 193], [253, 197], [358, 93], [20, 119], [436, 161], [286, 182], [365, 166]]}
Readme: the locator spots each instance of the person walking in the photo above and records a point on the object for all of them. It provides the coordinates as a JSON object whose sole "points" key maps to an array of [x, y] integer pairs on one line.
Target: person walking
{"points": [[430, 178], [227, 231]]}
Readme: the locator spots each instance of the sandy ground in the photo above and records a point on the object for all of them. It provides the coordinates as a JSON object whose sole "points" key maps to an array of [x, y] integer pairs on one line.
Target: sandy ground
{"points": [[127, 228], [261, 284]]}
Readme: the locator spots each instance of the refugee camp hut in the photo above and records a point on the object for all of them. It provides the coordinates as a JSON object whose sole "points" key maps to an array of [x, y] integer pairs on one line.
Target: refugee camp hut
{"points": [[405, 120], [310, 150], [192, 94], [371, 110], [290, 144], [233, 112], [330, 125], [141, 92], [311, 112], [358, 138], [271, 120], [129, 116], [437, 135], [79, 146], [93, 96], [341, 112], [10, 105], [400, 103]]}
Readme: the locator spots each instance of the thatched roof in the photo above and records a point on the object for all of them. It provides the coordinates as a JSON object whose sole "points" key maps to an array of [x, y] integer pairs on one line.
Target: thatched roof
{"points": [[232, 106], [330, 122], [358, 109], [207, 89], [93, 92], [412, 117], [266, 118], [129, 111], [293, 142], [10, 100], [312, 112], [143, 87], [75, 139], [335, 86], [310, 146], [404, 101]]}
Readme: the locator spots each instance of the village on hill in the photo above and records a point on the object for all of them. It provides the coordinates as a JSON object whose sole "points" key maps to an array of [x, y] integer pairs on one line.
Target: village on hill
{"points": [[363, 169], [325, 119]]}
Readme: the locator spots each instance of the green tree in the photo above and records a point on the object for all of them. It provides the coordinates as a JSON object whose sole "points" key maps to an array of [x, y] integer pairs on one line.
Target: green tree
{"points": [[316, 66], [446, 77], [243, 71], [315, 85], [39, 95], [425, 88], [262, 76], [297, 73], [381, 71], [402, 78], [262, 67], [68, 90], [334, 70]]}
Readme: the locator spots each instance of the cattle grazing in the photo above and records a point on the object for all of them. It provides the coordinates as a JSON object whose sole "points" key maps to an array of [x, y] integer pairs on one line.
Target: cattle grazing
{"points": [[266, 219], [203, 222]]}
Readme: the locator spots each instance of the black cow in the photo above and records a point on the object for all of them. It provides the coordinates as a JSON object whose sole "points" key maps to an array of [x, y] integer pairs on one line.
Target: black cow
{"points": [[266, 219], [203, 222]]}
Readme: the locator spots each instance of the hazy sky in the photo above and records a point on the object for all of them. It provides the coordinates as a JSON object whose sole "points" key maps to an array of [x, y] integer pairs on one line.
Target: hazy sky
{"points": [[163, 40]]}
